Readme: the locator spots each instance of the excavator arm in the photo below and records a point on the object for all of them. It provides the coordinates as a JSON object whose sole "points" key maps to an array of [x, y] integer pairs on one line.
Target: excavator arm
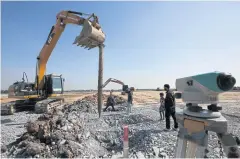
{"points": [[124, 87], [90, 37], [112, 80]]}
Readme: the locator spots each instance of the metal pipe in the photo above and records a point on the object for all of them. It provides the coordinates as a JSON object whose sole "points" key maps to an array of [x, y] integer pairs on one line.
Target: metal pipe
{"points": [[100, 80]]}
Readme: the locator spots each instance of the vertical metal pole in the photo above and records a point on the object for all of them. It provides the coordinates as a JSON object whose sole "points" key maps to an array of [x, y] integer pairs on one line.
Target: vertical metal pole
{"points": [[125, 142], [100, 79]]}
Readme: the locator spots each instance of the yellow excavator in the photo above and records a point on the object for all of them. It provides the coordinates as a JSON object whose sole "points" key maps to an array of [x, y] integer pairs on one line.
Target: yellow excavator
{"points": [[45, 94], [124, 87]]}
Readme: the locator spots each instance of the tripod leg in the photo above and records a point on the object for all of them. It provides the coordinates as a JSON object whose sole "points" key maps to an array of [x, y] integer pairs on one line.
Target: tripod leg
{"points": [[193, 126], [201, 151], [191, 149], [229, 145], [180, 151]]}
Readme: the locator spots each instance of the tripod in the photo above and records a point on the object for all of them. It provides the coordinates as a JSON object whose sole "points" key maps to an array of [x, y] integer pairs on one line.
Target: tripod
{"points": [[194, 123]]}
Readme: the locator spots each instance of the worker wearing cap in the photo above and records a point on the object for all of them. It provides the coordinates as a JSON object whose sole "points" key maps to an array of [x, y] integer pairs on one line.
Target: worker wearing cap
{"points": [[169, 108], [110, 102]]}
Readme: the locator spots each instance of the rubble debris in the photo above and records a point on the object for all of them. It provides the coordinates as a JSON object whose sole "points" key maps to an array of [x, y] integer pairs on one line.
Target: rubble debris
{"points": [[8, 108], [33, 149], [84, 105], [77, 132], [32, 127], [59, 135], [3, 148], [237, 140], [88, 103], [119, 100]]}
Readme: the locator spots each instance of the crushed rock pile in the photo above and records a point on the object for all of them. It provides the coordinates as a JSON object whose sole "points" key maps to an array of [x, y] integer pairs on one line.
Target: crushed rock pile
{"points": [[84, 105], [63, 135], [88, 104], [93, 98], [75, 132]]}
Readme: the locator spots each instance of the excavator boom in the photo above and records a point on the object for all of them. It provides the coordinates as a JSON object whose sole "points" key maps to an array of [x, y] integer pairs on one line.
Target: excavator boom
{"points": [[112, 80], [90, 37], [124, 87]]}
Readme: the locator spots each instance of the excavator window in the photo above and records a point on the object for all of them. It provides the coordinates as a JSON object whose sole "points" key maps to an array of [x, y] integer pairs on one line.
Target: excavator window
{"points": [[57, 84]]}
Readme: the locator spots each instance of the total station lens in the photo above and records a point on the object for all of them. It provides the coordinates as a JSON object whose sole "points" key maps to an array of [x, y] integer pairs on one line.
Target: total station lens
{"points": [[225, 82]]}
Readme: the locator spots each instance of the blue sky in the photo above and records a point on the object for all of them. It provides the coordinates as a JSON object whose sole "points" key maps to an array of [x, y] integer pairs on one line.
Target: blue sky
{"points": [[148, 44]]}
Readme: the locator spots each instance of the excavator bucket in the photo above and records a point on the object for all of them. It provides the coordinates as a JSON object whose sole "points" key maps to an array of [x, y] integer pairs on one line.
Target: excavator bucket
{"points": [[90, 37]]}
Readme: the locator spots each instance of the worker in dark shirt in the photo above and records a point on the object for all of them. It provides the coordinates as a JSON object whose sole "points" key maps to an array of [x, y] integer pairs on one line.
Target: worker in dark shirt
{"points": [[170, 108], [110, 102], [130, 100]]}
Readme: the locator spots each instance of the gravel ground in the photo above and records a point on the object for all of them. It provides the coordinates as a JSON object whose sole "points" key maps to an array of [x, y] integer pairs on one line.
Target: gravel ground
{"points": [[13, 125], [146, 136]]}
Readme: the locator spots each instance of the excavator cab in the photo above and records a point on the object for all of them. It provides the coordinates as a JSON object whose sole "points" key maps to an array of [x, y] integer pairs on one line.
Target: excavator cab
{"points": [[53, 85], [90, 36], [124, 88]]}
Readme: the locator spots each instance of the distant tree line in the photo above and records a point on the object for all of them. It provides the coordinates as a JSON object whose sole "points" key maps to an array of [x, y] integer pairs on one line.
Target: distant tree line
{"points": [[237, 88], [4, 91], [234, 88], [159, 89]]}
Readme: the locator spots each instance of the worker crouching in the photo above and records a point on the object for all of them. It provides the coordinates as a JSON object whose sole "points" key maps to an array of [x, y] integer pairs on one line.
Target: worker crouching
{"points": [[110, 102]]}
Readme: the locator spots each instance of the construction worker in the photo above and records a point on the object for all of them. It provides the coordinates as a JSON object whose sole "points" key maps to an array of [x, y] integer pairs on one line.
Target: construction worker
{"points": [[130, 100], [169, 108], [162, 106], [110, 102]]}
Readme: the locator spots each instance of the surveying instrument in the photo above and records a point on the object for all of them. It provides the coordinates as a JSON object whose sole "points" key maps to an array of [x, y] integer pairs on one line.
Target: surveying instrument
{"points": [[195, 121]]}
